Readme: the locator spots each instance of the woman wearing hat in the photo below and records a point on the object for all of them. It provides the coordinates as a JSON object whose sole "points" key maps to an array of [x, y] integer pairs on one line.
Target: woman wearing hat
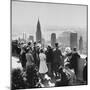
{"points": [[29, 58], [43, 66]]}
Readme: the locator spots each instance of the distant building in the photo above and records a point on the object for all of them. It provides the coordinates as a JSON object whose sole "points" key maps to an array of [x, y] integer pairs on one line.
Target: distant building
{"points": [[73, 40], [31, 38], [24, 37], [19, 39], [43, 42], [68, 39], [53, 39], [64, 39], [38, 32], [81, 44]]}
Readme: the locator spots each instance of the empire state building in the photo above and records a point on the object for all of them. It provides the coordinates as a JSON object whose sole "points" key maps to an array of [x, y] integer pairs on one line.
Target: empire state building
{"points": [[38, 32]]}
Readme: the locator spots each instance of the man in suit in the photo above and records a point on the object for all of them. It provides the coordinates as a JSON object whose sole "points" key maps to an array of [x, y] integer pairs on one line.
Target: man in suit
{"points": [[57, 61]]}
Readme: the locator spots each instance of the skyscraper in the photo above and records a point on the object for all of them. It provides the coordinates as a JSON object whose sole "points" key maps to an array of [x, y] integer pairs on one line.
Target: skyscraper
{"points": [[73, 40], [38, 32], [53, 39], [80, 44], [64, 39]]}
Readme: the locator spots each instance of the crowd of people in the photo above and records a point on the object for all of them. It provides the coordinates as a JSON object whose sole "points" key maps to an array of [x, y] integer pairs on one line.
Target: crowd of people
{"points": [[50, 61]]}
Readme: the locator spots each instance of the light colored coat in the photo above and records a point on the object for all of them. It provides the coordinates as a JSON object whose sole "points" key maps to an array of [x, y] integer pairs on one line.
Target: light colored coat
{"points": [[43, 66], [29, 59]]}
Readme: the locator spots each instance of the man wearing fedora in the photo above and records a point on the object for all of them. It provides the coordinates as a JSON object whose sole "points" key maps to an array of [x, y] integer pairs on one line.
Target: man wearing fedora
{"points": [[57, 61]]}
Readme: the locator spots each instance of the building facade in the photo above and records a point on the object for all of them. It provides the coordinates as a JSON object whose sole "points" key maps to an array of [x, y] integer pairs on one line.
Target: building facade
{"points": [[53, 39], [73, 40], [38, 32]]}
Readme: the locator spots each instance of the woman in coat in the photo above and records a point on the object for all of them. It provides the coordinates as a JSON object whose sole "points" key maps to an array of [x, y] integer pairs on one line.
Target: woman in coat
{"points": [[29, 58]]}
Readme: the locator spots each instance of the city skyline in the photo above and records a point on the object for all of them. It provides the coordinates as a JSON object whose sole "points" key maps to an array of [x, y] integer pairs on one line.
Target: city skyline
{"points": [[53, 18]]}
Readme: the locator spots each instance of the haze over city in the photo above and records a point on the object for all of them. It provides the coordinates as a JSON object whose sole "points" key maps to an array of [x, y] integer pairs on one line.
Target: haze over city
{"points": [[49, 46], [53, 18]]}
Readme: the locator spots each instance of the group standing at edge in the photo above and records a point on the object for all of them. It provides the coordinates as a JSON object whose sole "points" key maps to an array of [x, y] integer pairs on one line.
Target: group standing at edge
{"points": [[49, 60]]}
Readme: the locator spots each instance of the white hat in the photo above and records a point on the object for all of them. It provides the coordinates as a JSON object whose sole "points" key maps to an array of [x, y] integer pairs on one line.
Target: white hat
{"points": [[68, 50]]}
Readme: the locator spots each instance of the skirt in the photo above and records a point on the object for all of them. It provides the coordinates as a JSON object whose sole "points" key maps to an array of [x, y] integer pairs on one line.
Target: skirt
{"points": [[43, 67]]}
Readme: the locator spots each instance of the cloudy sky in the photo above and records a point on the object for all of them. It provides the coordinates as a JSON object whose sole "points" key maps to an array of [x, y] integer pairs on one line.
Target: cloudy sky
{"points": [[51, 16]]}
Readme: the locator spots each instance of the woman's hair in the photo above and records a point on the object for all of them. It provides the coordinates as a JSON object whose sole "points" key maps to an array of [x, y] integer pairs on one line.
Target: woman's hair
{"points": [[41, 50]]}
